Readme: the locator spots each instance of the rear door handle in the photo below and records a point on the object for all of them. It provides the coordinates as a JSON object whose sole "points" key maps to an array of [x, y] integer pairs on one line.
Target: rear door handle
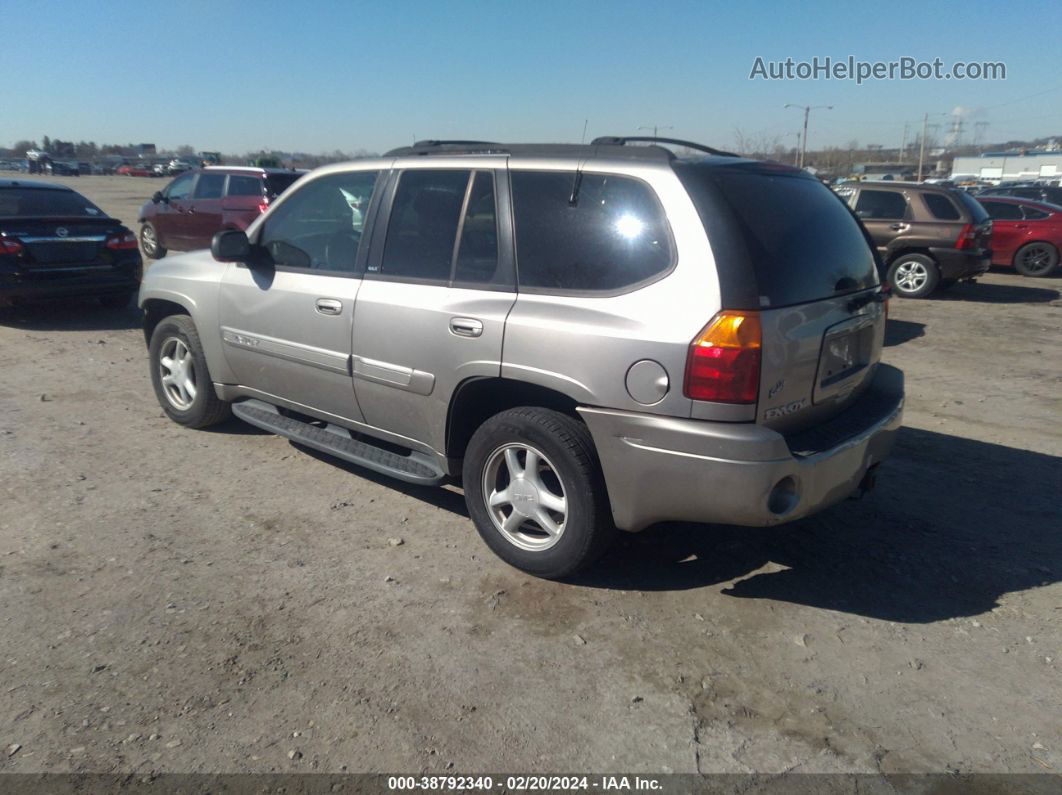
{"points": [[466, 326], [898, 227], [329, 306]]}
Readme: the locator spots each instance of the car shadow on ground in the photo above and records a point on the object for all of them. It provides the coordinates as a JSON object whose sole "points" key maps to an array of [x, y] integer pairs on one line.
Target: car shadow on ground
{"points": [[73, 314], [983, 292], [897, 332], [953, 525]]}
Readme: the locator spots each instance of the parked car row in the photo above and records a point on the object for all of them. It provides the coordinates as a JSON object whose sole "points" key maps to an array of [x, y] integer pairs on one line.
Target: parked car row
{"points": [[930, 236]]}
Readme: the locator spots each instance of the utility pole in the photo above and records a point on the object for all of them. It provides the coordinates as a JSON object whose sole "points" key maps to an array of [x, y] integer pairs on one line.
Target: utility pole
{"points": [[903, 146], [804, 139], [922, 148], [654, 128]]}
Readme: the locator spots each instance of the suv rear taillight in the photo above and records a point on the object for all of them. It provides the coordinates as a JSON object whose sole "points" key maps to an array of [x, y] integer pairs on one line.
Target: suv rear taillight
{"points": [[121, 241], [966, 237], [723, 363], [9, 245]]}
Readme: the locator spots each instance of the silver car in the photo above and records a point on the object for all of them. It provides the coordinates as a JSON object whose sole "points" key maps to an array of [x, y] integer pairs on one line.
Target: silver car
{"points": [[588, 337]]}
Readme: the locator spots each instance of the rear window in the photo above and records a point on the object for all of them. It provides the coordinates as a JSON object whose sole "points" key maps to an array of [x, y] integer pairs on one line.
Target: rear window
{"points": [[973, 207], [278, 183], [36, 202], [244, 186], [881, 204], [780, 237]]}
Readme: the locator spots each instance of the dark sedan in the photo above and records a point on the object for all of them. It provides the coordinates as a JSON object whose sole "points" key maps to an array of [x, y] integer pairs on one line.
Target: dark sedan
{"points": [[55, 242]]}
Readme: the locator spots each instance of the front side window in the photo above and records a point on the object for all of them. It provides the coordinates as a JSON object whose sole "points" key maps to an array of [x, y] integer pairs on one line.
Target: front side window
{"points": [[210, 186], [881, 204], [240, 185], [423, 226], [181, 187], [319, 227], [577, 232]]}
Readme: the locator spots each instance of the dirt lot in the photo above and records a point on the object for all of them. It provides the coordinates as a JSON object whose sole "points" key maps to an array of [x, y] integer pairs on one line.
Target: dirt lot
{"points": [[216, 601]]}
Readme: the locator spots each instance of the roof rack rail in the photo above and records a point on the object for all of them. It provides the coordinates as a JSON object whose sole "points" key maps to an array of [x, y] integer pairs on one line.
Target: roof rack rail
{"points": [[616, 140], [432, 146]]}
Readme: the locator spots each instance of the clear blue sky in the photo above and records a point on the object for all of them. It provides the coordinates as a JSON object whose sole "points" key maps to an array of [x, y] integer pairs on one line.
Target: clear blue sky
{"points": [[317, 76]]}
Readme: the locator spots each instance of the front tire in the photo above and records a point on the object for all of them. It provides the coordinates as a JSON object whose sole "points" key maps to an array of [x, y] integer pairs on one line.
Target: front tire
{"points": [[534, 490], [149, 241], [1036, 259], [914, 275], [180, 376]]}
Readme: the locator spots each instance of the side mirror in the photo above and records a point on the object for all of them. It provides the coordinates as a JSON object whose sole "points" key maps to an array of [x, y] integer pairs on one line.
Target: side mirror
{"points": [[230, 245], [158, 197]]}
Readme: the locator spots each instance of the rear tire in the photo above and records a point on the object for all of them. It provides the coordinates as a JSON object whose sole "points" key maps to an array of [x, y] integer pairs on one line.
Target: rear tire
{"points": [[535, 492], [1036, 259], [914, 275], [149, 241], [180, 376]]}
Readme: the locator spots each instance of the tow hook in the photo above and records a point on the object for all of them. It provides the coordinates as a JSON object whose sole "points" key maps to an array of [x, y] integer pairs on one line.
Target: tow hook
{"points": [[866, 485]]}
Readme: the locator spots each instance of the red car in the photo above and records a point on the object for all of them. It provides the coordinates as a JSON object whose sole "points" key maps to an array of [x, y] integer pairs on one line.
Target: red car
{"points": [[134, 170], [1026, 234], [187, 213]]}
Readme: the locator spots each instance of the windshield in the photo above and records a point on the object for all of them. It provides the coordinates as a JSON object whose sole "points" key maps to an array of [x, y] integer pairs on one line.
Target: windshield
{"points": [[24, 202], [779, 236]]}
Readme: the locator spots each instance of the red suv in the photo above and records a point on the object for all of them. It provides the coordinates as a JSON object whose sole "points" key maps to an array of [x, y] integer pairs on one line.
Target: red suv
{"points": [[186, 213]]}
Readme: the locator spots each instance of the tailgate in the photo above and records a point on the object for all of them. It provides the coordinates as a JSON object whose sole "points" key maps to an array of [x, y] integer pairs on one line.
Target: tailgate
{"points": [[817, 358]]}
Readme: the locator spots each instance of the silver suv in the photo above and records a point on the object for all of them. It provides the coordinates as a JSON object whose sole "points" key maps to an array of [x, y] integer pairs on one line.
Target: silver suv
{"points": [[588, 337]]}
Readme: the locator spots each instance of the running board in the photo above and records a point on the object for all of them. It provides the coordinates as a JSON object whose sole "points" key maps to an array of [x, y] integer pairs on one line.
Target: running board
{"points": [[416, 467]]}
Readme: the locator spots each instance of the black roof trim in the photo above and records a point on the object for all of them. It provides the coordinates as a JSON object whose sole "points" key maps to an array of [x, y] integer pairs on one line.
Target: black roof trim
{"points": [[579, 151], [614, 140]]}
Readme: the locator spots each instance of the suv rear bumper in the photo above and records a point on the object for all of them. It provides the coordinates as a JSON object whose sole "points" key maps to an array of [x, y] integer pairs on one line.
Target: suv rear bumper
{"points": [[669, 469], [958, 264]]}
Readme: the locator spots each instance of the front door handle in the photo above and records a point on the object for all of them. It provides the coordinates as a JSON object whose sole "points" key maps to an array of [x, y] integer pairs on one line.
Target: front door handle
{"points": [[898, 227], [329, 306], [466, 326]]}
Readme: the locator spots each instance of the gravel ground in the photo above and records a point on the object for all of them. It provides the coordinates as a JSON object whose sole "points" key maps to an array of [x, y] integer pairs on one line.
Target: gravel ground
{"points": [[224, 601]]}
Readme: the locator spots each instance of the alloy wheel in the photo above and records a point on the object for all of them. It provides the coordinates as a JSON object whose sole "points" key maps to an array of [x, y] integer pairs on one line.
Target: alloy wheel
{"points": [[911, 276], [525, 497], [177, 373]]}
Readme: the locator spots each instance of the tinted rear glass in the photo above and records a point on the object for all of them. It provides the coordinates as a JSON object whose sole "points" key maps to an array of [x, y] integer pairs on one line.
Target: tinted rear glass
{"points": [[977, 212], [30, 202], [779, 236], [278, 183], [941, 207]]}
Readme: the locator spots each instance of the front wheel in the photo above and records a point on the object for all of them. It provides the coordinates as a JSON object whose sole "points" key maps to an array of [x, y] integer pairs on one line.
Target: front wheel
{"points": [[914, 275], [535, 492], [179, 374], [149, 241], [1036, 259]]}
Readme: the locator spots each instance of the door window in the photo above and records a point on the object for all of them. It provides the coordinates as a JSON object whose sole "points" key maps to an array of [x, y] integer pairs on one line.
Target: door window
{"points": [[181, 187], [1032, 214], [941, 207], [477, 253], [319, 226], [881, 204], [1002, 211], [209, 186], [423, 224]]}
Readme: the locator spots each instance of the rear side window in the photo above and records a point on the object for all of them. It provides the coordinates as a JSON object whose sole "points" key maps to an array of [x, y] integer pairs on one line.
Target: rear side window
{"points": [[1003, 211], [940, 207], [240, 185], [1032, 214], [278, 183], [423, 225], [612, 237], [209, 186], [477, 253], [779, 236], [883, 204]]}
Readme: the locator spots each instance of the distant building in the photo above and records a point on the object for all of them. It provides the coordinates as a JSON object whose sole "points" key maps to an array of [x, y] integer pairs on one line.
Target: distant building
{"points": [[145, 149], [1007, 166]]}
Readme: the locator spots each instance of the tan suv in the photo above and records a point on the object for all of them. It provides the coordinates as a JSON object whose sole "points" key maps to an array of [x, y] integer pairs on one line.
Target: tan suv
{"points": [[929, 236]]}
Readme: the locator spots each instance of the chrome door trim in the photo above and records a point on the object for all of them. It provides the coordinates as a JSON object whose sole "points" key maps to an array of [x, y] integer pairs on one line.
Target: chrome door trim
{"points": [[324, 359], [396, 375]]}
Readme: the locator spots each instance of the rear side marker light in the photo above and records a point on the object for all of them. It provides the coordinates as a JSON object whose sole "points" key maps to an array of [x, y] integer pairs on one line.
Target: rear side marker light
{"points": [[122, 242], [723, 363]]}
